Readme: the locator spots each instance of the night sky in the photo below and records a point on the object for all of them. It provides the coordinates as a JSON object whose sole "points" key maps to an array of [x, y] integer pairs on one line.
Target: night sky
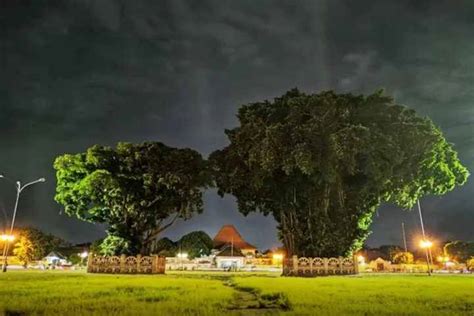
{"points": [[74, 73]]}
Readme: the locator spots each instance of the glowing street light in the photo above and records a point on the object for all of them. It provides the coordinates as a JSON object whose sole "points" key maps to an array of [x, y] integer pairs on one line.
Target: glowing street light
{"points": [[19, 189], [7, 238], [181, 256], [445, 260], [426, 244], [83, 256], [278, 258]]}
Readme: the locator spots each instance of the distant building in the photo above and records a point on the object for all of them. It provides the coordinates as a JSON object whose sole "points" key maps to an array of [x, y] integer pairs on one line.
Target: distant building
{"points": [[55, 259], [229, 258], [228, 236], [380, 265]]}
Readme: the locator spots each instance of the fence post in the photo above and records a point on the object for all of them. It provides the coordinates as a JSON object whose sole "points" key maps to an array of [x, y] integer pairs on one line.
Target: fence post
{"points": [[326, 267], [341, 266], [154, 267], [295, 265], [355, 262], [138, 263], [122, 263], [89, 263], [161, 264], [310, 265]]}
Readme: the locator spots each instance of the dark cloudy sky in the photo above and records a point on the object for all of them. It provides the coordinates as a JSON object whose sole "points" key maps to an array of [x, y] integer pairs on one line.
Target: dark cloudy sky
{"points": [[74, 73]]}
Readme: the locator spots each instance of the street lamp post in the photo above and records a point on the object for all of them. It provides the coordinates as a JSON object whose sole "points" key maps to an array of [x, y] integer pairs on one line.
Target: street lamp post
{"points": [[6, 239], [19, 189], [426, 244]]}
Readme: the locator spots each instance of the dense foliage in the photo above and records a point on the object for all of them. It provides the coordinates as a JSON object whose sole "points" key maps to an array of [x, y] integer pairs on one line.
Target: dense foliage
{"points": [[34, 244], [165, 247], [322, 163], [459, 250], [137, 190], [403, 257], [24, 250], [195, 244], [388, 252], [470, 264]]}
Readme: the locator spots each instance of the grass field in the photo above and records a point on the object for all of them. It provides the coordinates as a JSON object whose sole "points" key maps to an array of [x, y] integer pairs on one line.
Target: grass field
{"points": [[77, 293]]}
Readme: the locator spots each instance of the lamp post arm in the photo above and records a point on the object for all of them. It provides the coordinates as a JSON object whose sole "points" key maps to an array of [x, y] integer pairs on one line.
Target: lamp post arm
{"points": [[21, 188]]}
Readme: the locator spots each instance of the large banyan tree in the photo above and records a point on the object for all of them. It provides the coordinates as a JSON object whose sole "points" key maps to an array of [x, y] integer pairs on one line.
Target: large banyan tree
{"points": [[136, 190], [322, 164]]}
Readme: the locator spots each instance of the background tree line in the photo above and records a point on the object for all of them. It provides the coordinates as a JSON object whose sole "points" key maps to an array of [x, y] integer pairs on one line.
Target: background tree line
{"points": [[458, 251], [195, 244], [32, 244]]}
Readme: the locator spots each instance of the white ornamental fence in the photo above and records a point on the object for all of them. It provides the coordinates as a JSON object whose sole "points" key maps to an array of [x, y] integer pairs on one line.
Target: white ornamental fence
{"points": [[319, 266], [124, 264]]}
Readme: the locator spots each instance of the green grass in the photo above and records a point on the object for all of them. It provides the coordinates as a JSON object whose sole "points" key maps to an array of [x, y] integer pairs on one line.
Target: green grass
{"points": [[194, 293], [61, 293], [372, 295]]}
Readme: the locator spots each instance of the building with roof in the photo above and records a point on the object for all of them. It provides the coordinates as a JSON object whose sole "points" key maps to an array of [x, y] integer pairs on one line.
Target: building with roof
{"points": [[229, 258], [55, 259], [228, 236]]}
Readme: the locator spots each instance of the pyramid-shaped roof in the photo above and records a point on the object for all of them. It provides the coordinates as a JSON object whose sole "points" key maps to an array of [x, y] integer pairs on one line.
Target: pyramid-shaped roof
{"points": [[228, 234]]}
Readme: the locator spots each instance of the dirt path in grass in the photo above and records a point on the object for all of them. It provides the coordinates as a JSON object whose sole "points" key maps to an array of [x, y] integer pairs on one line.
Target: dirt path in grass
{"points": [[248, 300]]}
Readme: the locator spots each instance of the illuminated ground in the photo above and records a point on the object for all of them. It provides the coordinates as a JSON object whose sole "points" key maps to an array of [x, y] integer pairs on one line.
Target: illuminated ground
{"points": [[77, 293]]}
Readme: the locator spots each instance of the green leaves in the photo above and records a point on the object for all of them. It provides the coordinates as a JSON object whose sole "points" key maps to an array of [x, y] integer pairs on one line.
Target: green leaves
{"points": [[136, 189], [34, 244], [24, 250], [323, 163]]}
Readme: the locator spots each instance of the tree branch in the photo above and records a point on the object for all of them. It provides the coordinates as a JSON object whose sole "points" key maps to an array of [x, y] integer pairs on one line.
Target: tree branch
{"points": [[155, 233]]}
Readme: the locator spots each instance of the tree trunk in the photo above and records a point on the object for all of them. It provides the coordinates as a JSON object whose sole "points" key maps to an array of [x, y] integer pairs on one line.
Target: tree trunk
{"points": [[286, 235], [310, 216]]}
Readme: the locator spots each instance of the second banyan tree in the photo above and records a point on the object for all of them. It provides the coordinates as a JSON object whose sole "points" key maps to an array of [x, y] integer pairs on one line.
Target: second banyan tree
{"points": [[321, 164]]}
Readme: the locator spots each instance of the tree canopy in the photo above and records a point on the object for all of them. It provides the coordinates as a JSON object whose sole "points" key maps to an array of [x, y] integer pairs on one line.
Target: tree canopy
{"points": [[165, 247], [137, 190], [459, 250], [34, 244], [403, 257], [322, 163], [195, 244], [24, 250]]}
